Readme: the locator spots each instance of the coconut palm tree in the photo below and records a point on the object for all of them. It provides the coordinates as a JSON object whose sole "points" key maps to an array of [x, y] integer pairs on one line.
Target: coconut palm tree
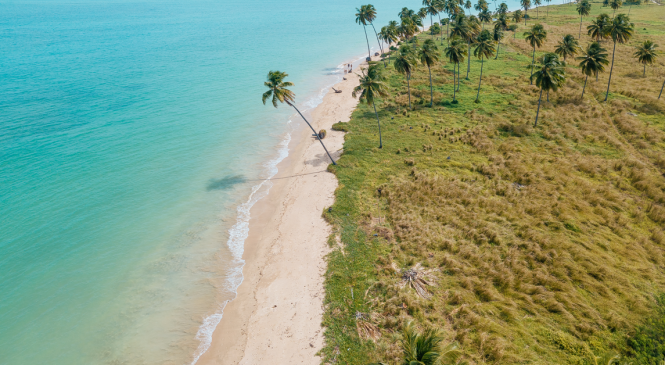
{"points": [[278, 92], [361, 18], [548, 8], [480, 6], [456, 53], [646, 54], [568, 46], [484, 49], [526, 4], [620, 31], [592, 62], [405, 63], [372, 86], [429, 56], [467, 4], [450, 7], [537, 4], [432, 10], [503, 9], [513, 28], [615, 4], [517, 16], [583, 9], [440, 6], [422, 14], [485, 16], [405, 13], [474, 26], [425, 348], [598, 28], [462, 28], [535, 37], [370, 16], [550, 76], [497, 36]]}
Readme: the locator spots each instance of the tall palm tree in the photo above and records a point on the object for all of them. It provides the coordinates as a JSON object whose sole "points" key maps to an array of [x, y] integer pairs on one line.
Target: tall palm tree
{"points": [[429, 56], [620, 30], [432, 10], [517, 16], [592, 62], [370, 16], [568, 46], [503, 9], [615, 4], [485, 16], [537, 4], [598, 28], [422, 14], [426, 348], [405, 63], [646, 54], [480, 5], [455, 53], [551, 75], [535, 37], [484, 49], [548, 8], [467, 4], [372, 86], [583, 9], [497, 36], [440, 6], [462, 28], [474, 26], [526, 4], [361, 18], [278, 92], [500, 26], [451, 9], [405, 13]]}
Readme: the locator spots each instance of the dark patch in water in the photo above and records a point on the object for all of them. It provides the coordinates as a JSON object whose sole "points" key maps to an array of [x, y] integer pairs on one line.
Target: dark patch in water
{"points": [[225, 182]]}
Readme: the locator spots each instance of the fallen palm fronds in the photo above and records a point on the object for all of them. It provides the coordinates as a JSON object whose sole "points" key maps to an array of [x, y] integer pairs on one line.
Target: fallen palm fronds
{"points": [[366, 330], [418, 278]]}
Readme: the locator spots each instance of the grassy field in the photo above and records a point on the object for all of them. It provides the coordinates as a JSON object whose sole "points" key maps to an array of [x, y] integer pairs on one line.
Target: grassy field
{"points": [[536, 245]]}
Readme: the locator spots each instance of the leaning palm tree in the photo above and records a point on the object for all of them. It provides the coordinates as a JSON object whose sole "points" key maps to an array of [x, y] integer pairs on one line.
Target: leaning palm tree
{"points": [[615, 4], [526, 4], [646, 54], [474, 26], [583, 9], [568, 46], [370, 16], [551, 75], [455, 53], [535, 37], [661, 90], [620, 30], [426, 348], [593, 61], [361, 18], [429, 56], [278, 92], [598, 28], [484, 49], [405, 63], [517, 16], [372, 86]]}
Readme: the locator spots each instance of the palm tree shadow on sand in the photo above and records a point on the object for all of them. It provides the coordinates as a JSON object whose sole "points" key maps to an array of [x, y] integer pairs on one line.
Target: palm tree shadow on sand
{"points": [[225, 183], [321, 160]]}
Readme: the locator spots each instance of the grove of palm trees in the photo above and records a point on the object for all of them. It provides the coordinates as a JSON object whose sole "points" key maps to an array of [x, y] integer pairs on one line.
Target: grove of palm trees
{"points": [[510, 214]]}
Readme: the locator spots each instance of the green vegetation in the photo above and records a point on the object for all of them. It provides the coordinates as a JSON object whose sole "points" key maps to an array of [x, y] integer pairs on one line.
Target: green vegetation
{"points": [[522, 244]]}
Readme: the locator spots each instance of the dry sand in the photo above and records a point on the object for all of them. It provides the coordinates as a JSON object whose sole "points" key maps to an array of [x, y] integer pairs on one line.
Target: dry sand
{"points": [[276, 316]]}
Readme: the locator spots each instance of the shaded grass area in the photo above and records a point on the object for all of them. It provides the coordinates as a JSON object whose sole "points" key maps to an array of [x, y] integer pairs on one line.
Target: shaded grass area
{"points": [[543, 245]]}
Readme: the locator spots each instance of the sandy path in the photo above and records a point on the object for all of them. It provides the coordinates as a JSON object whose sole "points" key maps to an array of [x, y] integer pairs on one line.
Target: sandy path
{"points": [[276, 317]]}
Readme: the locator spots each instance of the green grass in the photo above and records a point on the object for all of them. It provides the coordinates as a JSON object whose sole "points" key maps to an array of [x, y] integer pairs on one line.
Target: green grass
{"points": [[545, 244]]}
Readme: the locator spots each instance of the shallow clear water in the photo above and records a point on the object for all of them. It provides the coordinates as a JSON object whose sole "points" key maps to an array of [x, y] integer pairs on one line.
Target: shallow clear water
{"points": [[130, 133]]}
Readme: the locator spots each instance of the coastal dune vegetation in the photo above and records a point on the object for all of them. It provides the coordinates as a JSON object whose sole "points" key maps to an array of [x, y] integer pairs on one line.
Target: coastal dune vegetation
{"points": [[513, 219]]}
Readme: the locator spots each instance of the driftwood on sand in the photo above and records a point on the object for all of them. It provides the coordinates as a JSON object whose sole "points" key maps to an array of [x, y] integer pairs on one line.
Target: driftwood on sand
{"points": [[337, 91]]}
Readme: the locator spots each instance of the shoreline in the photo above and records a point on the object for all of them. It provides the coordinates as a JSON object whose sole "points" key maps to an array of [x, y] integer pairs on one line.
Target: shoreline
{"points": [[277, 311]]}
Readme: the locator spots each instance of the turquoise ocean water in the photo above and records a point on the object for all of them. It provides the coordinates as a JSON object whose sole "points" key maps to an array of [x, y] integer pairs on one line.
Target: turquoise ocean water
{"points": [[132, 144]]}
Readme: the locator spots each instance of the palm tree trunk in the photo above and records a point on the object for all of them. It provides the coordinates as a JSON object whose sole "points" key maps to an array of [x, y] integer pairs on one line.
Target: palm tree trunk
{"points": [[661, 90], [447, 32], [377, 37], [458, 76], [408, 88], [584, 88], [525, 17], [611, 67], [379, 122], [533, 60], [644, 73], [498, 46], [441, 33], [468, 63], [431, 24], [317, 135], [455, 83], [538, 111], [431, 93], [480, 80], [580, 35], [369, 53]]}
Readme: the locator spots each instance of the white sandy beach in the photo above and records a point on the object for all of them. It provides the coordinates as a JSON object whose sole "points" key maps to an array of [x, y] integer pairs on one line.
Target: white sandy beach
{"points": [[276, 316]]}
